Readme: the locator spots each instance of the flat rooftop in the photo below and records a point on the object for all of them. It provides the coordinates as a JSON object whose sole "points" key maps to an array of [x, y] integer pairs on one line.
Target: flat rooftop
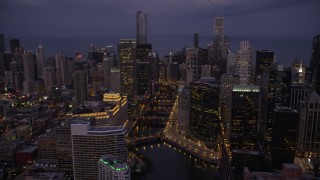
{"points": [[113, 163], [106, 128], [27, 149]]}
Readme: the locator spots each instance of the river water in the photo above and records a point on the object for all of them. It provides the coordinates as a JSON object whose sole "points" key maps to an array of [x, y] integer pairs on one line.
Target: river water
{"points": [[170, 164]]}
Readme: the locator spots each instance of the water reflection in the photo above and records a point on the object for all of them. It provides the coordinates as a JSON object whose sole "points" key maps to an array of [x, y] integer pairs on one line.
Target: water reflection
{"points": [[169, 163]]}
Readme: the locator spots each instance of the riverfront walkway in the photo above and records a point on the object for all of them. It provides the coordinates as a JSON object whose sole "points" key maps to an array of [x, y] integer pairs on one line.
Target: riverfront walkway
{"points": [[195, 148]]}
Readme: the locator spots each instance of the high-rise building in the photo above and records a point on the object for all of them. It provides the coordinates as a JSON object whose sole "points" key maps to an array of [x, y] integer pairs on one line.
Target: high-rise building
{"points": [[141, 19], [231, 62], [298, 93], [284, 136], [80, 86], [143, 78], [264, 59], [115, 80], [315, 63], [128, 63], [2, 59], [244, 67], [110, 168], [106, 71], [298, 72], [192, 61], [29, 72], [205, 70], [61, 69], [48, 77], [202, 56], [183, 108], [2, 66], [309, 126], [153, 58], [2, 44], [143, 51], [196, 40], [244, 117], [89, 143], [218, 26], [14, 44], [217, 51], [47, 146], [226, 86], [40, 61], [204, 110], [28, 66], [185, 73], [278, 94], [64, 147]]}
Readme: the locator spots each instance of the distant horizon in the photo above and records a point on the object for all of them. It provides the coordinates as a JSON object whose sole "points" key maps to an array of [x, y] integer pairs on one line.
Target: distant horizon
{"points": [[285, 49]]}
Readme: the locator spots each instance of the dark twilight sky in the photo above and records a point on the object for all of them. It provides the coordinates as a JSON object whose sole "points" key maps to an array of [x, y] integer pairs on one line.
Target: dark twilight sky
{"points": [[116, 18], [285, 26]]}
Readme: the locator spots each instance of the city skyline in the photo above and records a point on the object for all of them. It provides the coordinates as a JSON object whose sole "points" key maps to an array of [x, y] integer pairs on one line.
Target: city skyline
{"points": [[209, 80]]}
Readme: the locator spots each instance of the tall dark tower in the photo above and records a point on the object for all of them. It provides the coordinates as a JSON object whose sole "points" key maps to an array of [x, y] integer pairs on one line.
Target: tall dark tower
{"points": [[128, 65], [2, 61], [141, 27], [244, 117], [284, 136], [279, 89], [196, 40], [315, 63], [14, 43], [217, 51], [264, 59], [2, 46]]}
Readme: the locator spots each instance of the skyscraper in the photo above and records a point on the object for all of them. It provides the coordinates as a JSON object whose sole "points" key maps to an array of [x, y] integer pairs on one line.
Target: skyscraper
{"points": [[192, 60], [279, 83], [90, 143], [264, 59], [143, 78], [218, 26], [2, 60], [226, 86], [128, 63], [244, 117], [309, 126], [284, 136], [48, 77], [143, 68], [196, 40], [106, 71], [141, 19], [29, 72], [14, 44], [2, 44], [204, 110], [183, 108], [217, 51], [40, 60], [298, 72], [315, 63], [231, 62], [80, 86], [143, 51], [244, 67], [61, 69], [297, 94]]}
